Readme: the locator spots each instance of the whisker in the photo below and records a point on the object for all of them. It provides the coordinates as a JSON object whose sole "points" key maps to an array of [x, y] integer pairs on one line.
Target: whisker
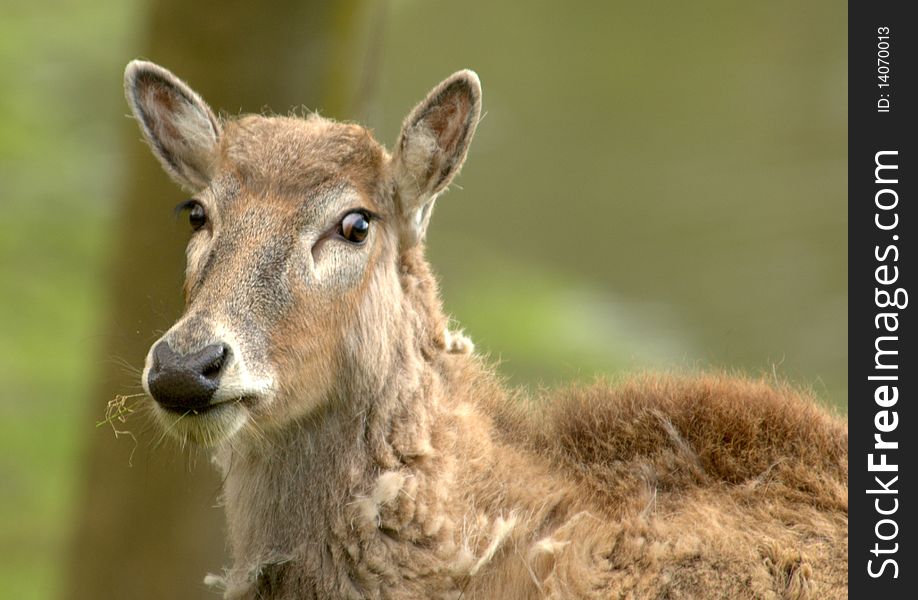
{"points": [[126, 367], [170, 428]]}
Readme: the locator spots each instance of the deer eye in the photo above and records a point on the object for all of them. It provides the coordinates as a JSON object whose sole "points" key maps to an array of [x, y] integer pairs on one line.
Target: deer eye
{"points": [[355, 226], [197, 216]]}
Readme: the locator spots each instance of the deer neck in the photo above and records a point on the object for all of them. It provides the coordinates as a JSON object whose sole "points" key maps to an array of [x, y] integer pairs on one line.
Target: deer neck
{"points": [[341, 479]]}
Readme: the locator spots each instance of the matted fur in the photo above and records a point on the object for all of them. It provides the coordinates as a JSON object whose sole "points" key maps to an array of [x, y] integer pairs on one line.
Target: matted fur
{"points": [[379, 457]]}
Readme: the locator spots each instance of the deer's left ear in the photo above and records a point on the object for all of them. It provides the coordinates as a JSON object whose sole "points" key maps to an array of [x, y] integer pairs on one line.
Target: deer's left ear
{"points": [[432, 147]]}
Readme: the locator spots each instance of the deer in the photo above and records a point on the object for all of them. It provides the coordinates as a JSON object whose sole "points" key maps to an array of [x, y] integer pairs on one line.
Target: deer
{"points": [[369, 451]]}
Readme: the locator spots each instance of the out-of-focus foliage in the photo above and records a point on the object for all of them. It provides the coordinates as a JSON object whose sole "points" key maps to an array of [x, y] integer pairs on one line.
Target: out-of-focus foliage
{"points": [[654, 184], [60, 106]]}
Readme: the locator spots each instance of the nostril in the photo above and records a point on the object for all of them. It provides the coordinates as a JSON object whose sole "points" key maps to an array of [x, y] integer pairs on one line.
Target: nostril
{"points": [[162, 355], [215, 357]]}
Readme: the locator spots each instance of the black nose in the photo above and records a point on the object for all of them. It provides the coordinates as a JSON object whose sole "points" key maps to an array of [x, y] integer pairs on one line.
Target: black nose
{"points": [[183, 382]]}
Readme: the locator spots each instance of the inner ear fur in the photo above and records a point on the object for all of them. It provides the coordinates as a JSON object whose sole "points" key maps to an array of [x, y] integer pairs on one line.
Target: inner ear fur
{"points": [[433, 144], [179, 126]]}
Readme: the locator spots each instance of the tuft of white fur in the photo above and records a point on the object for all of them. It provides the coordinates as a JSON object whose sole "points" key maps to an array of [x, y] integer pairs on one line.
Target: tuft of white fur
{"points": [[387, 487], [215, 581], [499, 532], [547, 545], [456, 342], [463, 562], [464, 410]]}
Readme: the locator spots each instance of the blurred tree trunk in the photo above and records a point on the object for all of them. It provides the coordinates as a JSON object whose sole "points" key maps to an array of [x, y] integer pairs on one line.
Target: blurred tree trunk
{"points": [[153, 530]]}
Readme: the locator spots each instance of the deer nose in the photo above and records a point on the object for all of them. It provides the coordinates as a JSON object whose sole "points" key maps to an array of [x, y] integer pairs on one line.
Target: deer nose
{"points": [[183, 382]]}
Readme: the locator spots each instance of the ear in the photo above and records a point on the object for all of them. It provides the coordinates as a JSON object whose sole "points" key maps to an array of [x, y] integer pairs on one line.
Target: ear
{"points": [[180, 128], [432, 147]]}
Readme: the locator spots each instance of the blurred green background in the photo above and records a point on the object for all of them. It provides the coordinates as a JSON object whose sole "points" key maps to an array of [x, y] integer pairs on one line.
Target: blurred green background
{"points": [[653, 185]]}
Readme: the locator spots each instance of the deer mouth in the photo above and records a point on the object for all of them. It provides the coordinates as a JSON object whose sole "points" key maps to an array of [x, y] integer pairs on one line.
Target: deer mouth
{"points": [[205, 426], [183, 411]]}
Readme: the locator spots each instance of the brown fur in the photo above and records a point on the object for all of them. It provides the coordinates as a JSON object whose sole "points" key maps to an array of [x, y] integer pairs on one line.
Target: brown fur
{"points": [[376, 457]]}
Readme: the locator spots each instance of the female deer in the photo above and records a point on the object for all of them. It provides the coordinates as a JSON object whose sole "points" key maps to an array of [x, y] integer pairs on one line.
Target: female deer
{"points": [[369, 453]]}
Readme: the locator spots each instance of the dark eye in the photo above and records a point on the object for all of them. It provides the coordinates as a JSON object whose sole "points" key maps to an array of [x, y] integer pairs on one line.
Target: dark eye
{"points": [[197, 216], [354, 227]]}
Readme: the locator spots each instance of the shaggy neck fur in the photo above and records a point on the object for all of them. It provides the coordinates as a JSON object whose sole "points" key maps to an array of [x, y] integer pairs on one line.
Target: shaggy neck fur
{"points": [[366, 494]]}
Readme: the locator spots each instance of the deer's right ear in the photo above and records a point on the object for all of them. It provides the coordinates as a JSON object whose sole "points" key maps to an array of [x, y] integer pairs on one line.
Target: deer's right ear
{"points": [[180, 128]]}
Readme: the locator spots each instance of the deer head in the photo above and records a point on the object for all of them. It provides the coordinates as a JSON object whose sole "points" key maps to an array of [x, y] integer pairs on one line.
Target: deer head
{"points": [[295, 290]]}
